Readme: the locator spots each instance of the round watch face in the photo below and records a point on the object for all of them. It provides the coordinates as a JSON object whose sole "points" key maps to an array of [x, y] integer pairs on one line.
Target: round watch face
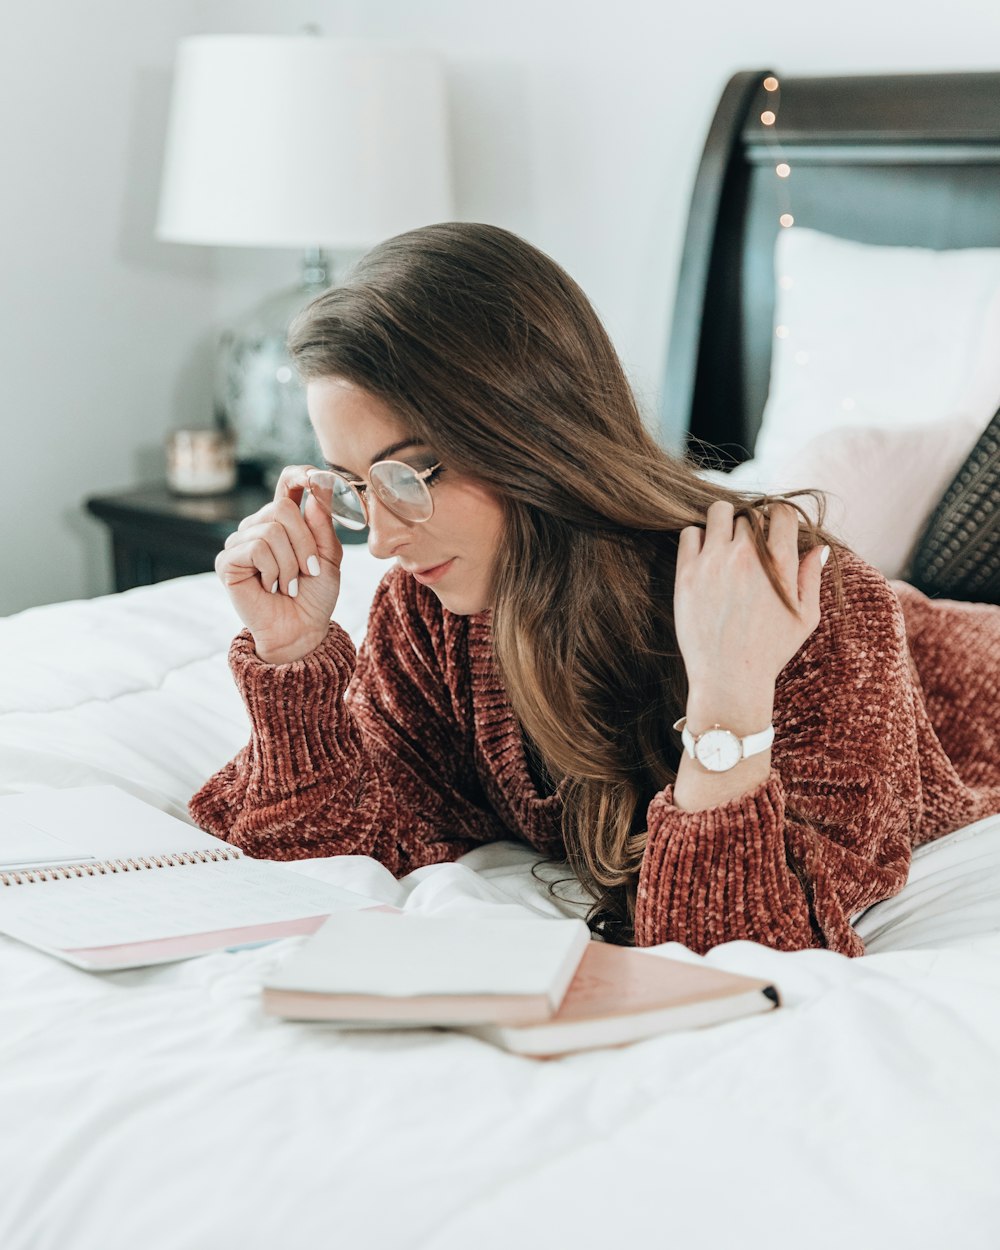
{"points": [[718, 750]]}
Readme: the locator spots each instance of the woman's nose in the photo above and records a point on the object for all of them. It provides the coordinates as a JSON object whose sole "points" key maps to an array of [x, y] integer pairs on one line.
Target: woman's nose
{"points": [[385, 530]]}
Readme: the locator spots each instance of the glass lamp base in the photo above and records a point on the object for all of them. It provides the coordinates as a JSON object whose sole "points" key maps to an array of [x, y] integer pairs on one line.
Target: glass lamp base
{"points": [[258, 395]]}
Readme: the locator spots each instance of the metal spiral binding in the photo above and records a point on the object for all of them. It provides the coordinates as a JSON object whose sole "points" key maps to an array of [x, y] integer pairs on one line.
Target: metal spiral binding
{"points": [[105, 867]]}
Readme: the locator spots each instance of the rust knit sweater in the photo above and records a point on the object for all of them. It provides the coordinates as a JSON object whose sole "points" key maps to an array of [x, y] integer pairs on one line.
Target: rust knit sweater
{"points": [[888, 735]]}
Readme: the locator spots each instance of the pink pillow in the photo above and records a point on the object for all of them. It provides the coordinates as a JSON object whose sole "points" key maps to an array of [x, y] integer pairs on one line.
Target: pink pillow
{"points": [[881, 484]]}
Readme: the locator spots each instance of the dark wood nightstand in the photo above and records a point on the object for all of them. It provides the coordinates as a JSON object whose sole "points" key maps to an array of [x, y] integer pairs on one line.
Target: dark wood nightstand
{"points": [[156, 534]]}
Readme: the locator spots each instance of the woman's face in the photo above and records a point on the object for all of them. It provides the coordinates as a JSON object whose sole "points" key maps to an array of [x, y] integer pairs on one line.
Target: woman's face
{"points": [[452, 553]]}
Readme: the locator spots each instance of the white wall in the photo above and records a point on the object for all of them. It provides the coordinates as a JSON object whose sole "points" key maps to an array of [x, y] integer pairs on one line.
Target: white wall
{"points": [[101, 329], [577, 124]]}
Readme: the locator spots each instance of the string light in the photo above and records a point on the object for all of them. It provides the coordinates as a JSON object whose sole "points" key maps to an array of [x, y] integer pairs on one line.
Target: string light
{"points": [[782, 170]]}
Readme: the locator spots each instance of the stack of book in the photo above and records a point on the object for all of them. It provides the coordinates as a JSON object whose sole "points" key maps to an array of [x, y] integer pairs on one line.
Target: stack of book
{"points": [[534, 986]]}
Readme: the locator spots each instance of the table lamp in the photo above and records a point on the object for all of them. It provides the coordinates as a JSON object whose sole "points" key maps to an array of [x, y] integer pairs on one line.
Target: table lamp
{"points": [[296, 141]]}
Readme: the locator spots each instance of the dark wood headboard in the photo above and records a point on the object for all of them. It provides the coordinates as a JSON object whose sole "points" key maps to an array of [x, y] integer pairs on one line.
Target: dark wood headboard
{"points": [[903, 159]]}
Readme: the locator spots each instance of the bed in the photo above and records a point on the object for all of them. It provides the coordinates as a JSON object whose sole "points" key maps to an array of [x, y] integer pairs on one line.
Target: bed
{"points": [[158, 1108]]}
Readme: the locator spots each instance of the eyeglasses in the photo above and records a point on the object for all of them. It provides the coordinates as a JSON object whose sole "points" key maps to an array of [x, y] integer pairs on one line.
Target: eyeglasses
{"points": [[402, 489]]}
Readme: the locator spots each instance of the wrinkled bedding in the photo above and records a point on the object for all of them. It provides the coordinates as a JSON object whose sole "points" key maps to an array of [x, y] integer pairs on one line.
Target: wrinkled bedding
{"points": [[158, 1108]]}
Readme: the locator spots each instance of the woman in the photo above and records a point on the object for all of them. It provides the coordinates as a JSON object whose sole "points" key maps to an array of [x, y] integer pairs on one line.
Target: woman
{"points": [[583, 645]]}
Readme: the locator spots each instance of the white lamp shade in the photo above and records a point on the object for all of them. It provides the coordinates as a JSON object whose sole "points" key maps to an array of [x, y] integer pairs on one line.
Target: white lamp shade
{"points": [[302, 141]]}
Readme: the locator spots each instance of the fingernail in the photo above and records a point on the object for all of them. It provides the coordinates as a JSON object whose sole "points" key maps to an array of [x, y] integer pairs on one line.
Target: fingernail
{"points": [[312, 564], [824, 555], [274, 588], [293, 587]]}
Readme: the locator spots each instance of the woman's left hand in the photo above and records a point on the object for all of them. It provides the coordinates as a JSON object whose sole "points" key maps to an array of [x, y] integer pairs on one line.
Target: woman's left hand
{"points": [[734, 633]]}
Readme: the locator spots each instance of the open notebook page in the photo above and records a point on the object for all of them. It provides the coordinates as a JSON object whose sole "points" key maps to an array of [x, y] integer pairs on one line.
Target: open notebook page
{"points": [[232, 901], [165, 902], [24, 845], [91, 822]]}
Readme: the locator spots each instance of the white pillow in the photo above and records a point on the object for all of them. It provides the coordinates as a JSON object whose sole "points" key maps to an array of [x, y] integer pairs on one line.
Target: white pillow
{"points": [[879, 337]]}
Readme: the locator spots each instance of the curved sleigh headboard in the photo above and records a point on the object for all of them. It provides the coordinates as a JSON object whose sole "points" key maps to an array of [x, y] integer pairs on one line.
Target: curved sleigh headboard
{"points": [[903, 159]]}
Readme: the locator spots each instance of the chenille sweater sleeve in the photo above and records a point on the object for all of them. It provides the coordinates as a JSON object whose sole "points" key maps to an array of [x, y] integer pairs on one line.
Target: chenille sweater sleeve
{"points": [[830, 831], [331, 767]]}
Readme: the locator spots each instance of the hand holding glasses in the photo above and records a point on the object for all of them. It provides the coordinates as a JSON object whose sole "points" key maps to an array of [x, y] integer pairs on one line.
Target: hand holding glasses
{"points": [[282, 565]]}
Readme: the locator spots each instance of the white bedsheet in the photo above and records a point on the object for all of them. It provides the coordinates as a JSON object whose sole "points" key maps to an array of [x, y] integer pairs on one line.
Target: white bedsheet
{"points": [[159, 1109]]}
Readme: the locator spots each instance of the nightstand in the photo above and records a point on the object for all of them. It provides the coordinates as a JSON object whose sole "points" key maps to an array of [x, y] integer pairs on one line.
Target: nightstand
{"points": [[156, 534]]}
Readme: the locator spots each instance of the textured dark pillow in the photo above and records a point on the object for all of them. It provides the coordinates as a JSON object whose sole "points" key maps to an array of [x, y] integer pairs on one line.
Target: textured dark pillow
{"points": [[958, 554]]}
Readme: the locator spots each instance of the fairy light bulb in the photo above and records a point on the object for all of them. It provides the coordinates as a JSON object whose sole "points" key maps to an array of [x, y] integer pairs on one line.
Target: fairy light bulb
{"points": [[782, 169]]}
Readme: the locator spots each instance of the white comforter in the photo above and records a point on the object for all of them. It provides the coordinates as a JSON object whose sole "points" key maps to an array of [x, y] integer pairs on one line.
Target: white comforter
{"points": [[159, 1110]]}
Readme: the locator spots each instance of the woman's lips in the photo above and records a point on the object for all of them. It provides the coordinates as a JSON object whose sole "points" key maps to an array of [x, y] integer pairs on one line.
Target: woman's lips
{"points": [[429, 576]]}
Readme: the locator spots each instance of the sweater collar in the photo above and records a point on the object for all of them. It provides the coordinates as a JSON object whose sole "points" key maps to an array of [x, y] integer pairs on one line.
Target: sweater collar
{"points": [[499, 738]]}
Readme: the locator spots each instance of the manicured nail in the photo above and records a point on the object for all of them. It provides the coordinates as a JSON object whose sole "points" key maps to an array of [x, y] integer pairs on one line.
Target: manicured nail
{"points": [[274, 588], [824, 555], [312, 564], [293, 587]]}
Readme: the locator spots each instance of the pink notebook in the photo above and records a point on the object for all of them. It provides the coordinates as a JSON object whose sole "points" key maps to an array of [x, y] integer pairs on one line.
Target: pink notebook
{"points": [[621, 995]]}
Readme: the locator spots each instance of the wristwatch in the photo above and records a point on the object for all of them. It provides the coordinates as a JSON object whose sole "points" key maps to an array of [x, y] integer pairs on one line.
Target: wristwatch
{"points": [[719, 749]]}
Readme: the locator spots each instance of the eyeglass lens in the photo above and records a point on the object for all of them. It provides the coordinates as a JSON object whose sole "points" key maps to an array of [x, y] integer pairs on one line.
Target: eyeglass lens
{"points": [[339, 498], [401, 490]]}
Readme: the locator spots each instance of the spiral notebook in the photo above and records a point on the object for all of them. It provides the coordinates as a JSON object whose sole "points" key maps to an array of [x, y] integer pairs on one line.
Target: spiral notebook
{"points": [[105, 881]]}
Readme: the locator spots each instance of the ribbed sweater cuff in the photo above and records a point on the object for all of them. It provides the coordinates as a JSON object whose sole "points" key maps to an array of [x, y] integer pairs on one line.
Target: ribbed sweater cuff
{"points": [[715, 875], [300, 726]]}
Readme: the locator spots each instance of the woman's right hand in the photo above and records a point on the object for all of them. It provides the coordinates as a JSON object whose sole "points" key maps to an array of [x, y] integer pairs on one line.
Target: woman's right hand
{"points": [[282, 570]]}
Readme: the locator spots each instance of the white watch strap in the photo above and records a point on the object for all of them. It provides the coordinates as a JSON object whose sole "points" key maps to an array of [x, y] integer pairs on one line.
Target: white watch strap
{"points": [[752, 744], [756, 744]]}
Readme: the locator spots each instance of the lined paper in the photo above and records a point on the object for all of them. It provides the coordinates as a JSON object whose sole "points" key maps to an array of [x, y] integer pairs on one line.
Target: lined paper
{"points": [[157, 903]]}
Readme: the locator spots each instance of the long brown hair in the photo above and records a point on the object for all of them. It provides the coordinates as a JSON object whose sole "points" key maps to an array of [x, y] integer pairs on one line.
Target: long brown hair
{"points": [[488, 351]]}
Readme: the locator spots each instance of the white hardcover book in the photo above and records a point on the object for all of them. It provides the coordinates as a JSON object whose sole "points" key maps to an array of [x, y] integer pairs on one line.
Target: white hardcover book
{"points": [[436, 970]]}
